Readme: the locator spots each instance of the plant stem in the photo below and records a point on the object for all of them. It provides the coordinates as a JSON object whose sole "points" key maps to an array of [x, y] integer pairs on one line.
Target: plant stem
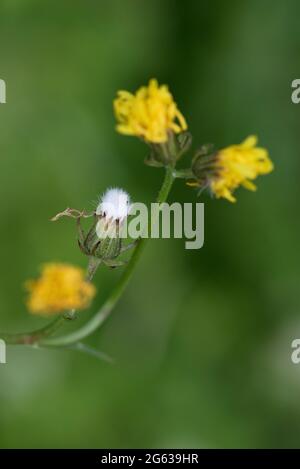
{"points": [[97, 320], [30, 338]]}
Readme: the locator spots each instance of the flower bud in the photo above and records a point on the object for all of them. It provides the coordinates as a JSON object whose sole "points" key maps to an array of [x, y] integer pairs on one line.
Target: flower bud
{"points": [[224, 171], [111, 213]]}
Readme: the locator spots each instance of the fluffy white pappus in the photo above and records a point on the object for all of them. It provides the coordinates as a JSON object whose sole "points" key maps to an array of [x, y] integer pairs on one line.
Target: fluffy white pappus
{"points": [[114, 204]]}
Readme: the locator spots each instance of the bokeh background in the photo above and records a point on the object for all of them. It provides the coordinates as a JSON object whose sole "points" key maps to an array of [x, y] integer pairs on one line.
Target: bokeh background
{"points": [[201, 339]]}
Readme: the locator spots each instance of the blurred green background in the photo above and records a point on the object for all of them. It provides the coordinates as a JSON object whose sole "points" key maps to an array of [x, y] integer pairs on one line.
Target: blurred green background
{"points": [[201, 339]]}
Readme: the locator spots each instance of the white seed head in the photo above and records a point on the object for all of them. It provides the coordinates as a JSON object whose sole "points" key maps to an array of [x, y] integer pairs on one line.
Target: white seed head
{"points": [[114, 205]]}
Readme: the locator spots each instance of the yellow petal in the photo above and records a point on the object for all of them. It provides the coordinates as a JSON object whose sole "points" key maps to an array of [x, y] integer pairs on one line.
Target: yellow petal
{"points": [[249, 185], [249, 142]]}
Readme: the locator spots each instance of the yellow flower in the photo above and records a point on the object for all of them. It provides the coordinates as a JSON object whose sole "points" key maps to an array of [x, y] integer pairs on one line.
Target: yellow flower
{"points": [[150, 113], [60, 288], [238, 165]]}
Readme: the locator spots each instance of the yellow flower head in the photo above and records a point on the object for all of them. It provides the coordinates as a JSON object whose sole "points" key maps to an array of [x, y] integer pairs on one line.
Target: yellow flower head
{"points": [[238, 165], [60, 288], [149, 113]]}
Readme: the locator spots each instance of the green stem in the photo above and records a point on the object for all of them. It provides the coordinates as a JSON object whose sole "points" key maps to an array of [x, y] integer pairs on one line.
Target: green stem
{"points": [[29, 338], [97, 320], [184, 173]]}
